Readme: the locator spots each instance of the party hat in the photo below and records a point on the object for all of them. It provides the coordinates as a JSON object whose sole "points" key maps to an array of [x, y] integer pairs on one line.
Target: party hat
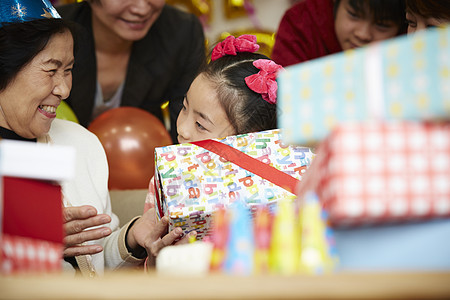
{"points": [[284, 251], [18, 11], [317, 249], [262, 231], [240, 247], [219, 238]]}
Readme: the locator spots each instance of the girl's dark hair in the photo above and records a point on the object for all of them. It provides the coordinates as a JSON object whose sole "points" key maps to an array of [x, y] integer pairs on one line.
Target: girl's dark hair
{"points": [[21, 42], [381, 10], [438, 9], [246, 110]]}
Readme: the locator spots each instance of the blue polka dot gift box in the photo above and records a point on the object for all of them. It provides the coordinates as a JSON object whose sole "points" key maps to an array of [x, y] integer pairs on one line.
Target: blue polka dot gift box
{"points": [[406, 78], [193, 180], [382, 172]]}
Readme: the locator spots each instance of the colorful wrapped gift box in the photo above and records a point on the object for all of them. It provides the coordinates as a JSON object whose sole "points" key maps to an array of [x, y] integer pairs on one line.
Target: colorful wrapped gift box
{"points": [[382, 172], [192, 182], [406, 78]]}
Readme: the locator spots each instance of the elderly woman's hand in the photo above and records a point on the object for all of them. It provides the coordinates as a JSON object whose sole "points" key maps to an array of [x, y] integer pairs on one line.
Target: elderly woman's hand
{"points": [[150, 234], [76, 220]]}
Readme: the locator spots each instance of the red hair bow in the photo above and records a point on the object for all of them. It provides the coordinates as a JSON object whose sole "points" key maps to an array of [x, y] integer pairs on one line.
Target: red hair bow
{"points": [[232, 45], [264, 82]]}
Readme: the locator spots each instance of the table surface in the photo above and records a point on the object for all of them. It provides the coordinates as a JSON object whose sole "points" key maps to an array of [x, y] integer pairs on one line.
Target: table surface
{"points": [[137, 285]]}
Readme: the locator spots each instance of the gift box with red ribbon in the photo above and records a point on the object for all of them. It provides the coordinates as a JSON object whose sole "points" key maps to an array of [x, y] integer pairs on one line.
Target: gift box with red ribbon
{"points": [[382, 173], [32, 232], [192, 180], [31, 209]]}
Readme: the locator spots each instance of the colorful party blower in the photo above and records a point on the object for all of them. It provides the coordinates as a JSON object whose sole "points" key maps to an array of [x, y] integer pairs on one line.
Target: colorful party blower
{"points": [[219, 238], [262, 231], [284, 251], [239, 255], [317, 251]]}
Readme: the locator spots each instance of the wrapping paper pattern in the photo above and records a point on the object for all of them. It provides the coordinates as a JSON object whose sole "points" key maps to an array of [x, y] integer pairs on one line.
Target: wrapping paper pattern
{"points": [[406, 78], [383, 172], [27, 255], [192, 182]]}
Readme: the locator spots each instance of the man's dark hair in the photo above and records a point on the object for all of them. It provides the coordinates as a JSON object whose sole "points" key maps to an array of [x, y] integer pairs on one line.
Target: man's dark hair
{"points": [[382, 10], [438, 9]]}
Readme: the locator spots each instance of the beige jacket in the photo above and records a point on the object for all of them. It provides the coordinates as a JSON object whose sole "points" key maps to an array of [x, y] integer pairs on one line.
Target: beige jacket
{"points": [[90, 187]]}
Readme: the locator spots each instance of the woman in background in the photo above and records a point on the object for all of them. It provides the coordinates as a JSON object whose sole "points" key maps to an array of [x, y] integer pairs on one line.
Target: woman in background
{"points": [[138, 53]]}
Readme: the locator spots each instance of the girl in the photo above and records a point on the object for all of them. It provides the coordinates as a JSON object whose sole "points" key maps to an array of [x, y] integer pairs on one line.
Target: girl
{"points": [[235, 93], [241, 86]]}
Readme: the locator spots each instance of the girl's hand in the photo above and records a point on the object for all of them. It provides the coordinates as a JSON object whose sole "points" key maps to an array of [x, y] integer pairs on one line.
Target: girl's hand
{"points": [[76, 220], [150, 234]]}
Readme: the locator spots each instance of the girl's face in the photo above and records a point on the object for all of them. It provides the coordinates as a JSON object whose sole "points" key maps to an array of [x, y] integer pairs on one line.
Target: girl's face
{"points": [[417, 22], [358, 28], [202, 117], [128, 19], [29, 102]]}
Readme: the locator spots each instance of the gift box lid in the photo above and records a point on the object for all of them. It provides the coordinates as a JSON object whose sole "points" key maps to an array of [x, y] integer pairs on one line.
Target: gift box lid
{"points": [[35, 160], [189, 175]]}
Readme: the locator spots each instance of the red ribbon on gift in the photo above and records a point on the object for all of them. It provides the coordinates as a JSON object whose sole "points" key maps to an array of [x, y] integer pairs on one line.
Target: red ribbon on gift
{"points": [[251, 164]]}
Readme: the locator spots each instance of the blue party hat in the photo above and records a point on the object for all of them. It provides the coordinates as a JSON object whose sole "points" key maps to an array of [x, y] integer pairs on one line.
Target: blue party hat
{"points": [[18, 11], [240, 248]]}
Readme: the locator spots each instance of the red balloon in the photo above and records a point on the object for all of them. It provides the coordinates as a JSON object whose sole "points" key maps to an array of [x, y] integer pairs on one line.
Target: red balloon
{"points": [[129, 136]]}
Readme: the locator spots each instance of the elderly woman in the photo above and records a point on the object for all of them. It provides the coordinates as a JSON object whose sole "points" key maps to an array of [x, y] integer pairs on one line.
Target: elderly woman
{"points": [[36, 59]]}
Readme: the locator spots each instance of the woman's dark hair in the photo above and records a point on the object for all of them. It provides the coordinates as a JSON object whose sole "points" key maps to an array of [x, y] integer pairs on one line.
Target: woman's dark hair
{"points": [[21, 42], [246, 110], [438, 9], [381, 10]]}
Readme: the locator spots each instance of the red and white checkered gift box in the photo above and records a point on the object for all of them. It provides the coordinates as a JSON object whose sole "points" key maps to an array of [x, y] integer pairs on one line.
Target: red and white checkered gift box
{"points": [[384, 172], [20, 255]]}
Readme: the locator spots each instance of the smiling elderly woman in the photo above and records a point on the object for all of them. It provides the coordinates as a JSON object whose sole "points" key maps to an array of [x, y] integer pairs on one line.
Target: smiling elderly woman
{"points": [[36, 59]]}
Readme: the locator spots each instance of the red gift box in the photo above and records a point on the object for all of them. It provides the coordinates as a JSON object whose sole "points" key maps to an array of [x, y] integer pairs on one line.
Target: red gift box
{"points": [[31, 209], [383, 172], [31, 239]]}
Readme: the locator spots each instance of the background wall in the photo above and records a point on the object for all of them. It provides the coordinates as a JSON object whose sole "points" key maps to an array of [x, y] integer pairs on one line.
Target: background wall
{"points": [[259, 17], [267, 13]]}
